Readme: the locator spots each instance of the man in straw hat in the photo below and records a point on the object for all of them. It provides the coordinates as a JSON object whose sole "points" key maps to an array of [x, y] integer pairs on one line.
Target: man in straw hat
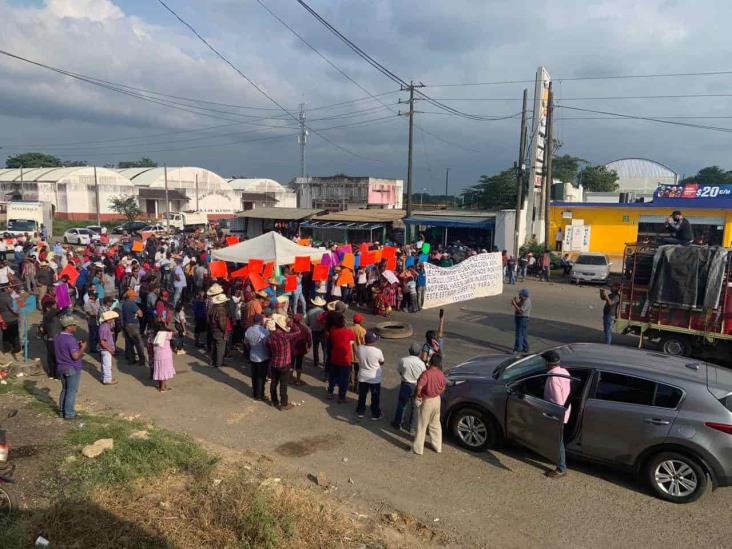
{"points": [[280, 361], [68, 365], [106, 345], [218, 322], [317, 328], [256, 341]]}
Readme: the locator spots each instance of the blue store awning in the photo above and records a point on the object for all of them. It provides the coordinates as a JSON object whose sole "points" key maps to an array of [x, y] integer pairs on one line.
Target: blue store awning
{"points": [[458, 222]]}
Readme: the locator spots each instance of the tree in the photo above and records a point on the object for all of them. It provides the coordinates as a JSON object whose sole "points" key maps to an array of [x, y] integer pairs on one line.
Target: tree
{"points": [[33, 160], [126, 206], [709, 176], [566, 167], [144, 162], [598, 179], [74, 163], [493, 192]]}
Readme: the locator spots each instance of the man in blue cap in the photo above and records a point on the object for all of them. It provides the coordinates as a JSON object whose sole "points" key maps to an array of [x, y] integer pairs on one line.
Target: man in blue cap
{"points": [[522, 310]]}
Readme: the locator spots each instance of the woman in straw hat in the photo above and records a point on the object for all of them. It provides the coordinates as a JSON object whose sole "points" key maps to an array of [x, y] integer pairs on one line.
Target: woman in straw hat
{"points": [[163, 368]]}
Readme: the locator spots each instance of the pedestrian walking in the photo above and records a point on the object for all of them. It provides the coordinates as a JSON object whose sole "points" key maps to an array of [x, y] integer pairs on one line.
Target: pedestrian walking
{"points": [[610, 310], [409, 369], [341, 343], [430, 385], [50, 328], [280, 351], [163, 367], [68, 365], [317, 328], [370, 360], [521, 309], [556, 390], [217, 326], [131, 315], [255, 339], [106, 345], [360, 332]]}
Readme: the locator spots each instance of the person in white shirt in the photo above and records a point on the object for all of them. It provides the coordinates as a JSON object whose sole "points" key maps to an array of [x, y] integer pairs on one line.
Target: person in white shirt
{"points": [[370, 359], [5, 272], [409, 369]]}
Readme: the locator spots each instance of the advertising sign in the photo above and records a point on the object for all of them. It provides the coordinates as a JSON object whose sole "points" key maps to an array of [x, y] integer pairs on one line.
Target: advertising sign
{"points": [[694, 190], [478, 276]]}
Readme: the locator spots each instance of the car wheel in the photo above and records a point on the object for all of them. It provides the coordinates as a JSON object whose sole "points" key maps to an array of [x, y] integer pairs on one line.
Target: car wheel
{"points": [[473, 429], [676, 477], [675, 345]]}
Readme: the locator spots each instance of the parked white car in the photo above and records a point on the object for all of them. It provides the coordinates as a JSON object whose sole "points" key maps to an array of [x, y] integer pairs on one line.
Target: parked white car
{"points": [[590, 267], [78, 236]]}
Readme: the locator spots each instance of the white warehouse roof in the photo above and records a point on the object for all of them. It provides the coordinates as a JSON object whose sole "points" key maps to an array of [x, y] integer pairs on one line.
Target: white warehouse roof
{"points": [[640, 167], [257, 185]]}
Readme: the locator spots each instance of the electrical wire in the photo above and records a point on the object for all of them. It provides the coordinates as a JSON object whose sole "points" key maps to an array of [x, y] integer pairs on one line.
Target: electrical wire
{"points": [[254, 84]]}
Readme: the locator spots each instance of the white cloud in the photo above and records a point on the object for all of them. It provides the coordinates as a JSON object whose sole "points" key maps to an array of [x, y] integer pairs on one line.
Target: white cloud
{"points": [[95, 10]]}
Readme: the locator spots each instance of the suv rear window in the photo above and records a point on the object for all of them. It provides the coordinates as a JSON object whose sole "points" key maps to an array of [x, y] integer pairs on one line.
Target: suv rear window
{"points": [[634, 390]]}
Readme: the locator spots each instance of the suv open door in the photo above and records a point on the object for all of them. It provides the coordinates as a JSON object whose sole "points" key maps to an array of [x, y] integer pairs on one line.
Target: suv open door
{"points": [[534, 422]]}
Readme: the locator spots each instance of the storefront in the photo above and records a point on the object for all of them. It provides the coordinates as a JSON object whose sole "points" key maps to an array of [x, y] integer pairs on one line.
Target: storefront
{"points": [[600, 227], [475, 228]]}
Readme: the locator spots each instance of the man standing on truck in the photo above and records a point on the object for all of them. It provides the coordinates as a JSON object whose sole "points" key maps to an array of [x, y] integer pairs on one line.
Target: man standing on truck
{"points": [[679, 228], [610, 310]]}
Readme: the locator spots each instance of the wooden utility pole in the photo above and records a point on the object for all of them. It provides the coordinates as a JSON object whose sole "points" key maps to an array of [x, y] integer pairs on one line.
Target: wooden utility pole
{"points": [[447, 181], [197, 191], [520, 178], [410, 114], [548, 153], [96, 194]]}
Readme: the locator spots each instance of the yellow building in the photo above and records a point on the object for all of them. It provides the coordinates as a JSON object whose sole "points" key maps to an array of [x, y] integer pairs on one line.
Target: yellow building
{"points": [[607, 227]]}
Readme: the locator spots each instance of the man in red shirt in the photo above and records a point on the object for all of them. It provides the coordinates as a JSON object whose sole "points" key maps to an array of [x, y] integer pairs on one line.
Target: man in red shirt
{"points": [[340, 358], [430, 385]]}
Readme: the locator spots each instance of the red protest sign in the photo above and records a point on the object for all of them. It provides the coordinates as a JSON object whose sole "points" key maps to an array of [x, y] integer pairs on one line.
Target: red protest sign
{"points": [[345, 278], [364, 248], [302, 264], [268, 270], [258, 283], [218, 269], [240, 273], [291, 283], [320, 273], [256, 266], [367, 259], [231, 240], [71, 272], [391, 263], [388, 252]]}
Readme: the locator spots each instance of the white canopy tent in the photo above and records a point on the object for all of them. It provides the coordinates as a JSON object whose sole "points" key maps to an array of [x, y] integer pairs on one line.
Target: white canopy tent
{"points": [[271, 246]]}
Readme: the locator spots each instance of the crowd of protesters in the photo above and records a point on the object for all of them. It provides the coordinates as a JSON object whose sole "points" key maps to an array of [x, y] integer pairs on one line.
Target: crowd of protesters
{"points": [[158, 295]]}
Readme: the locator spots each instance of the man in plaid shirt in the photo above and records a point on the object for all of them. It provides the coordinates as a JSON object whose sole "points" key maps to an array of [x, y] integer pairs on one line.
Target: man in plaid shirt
{"points": [[280, 349]]}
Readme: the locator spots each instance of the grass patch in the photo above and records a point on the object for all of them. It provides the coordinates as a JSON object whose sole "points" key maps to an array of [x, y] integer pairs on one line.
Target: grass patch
{"points": [[131, 458]]}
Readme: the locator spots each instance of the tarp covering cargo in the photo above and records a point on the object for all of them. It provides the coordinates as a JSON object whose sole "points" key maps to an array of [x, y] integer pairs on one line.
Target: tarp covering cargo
{"points": [[688, 276]]}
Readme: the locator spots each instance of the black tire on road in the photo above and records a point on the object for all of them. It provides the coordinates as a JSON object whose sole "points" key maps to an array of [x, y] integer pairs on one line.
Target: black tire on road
{"points": [[474, 429], [394, 330], [676, 477], [675, 345], [8, 503]]}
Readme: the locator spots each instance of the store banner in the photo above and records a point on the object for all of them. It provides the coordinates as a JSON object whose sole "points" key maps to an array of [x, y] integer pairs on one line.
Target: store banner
{"points": [[478, 276]]}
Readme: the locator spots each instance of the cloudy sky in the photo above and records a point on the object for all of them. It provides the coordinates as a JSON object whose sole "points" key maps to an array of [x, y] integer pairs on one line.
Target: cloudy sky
{"points": [[233, 129]]}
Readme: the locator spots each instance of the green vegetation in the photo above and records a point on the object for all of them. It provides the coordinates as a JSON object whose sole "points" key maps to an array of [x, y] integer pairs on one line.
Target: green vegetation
{"points": [[126, 206], [711, 175], [144, 162], [39, 160], [599, 179]]}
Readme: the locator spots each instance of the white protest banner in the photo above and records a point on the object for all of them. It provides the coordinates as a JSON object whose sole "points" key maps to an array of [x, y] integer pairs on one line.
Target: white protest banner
{"points": [[478, 276], [390, 277]]}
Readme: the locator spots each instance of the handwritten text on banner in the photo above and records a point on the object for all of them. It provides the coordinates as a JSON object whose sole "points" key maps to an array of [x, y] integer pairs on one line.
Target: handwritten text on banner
{"points": [[478, 276]]}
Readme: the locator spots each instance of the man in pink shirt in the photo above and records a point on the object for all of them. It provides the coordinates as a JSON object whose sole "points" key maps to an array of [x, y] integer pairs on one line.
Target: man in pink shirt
{"points": [[557, 391]]}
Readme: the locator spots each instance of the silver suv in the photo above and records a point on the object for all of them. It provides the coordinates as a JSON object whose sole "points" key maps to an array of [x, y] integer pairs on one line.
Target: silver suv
{"points": [[669, 419]]}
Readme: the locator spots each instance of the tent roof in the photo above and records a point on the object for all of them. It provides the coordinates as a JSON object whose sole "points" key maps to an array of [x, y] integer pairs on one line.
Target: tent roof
{"points": [[268, 247]]}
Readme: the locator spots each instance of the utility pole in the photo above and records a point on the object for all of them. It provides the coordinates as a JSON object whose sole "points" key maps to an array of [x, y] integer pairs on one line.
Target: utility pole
{"points": [[167, 202], [96, 193], [302, 138], [196, 191], [520, 169], [410, 114], [447, 180], [548, 153]]}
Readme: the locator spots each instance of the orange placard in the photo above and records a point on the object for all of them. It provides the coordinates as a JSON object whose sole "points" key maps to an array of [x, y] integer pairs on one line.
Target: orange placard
{"points": [[138, 246], [268, 270], [291, 283], [304, 241], [256, 266], [231, 240], [391, 263], [377, 256], [218, 269], [71, 272], [388, 252], [345, 278], [258, 283], [366, 259], [302, 264], [240, 273], [348, 261], [320, 273]]}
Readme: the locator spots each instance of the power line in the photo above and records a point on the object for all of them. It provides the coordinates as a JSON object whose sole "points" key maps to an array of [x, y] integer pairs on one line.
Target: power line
{"points": [[579, 78], [254, 84], [649, 119], [597, 98]]}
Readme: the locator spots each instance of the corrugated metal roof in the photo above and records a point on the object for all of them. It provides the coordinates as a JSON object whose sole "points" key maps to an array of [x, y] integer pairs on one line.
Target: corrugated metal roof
{"points": [[257, 185], [485, 221], [640, 167], [51, 175], [279, 214], [363, 215]]}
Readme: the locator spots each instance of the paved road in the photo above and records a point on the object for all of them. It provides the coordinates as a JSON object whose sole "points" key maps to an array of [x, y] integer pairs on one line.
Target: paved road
{"points": [[496, 499]]}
